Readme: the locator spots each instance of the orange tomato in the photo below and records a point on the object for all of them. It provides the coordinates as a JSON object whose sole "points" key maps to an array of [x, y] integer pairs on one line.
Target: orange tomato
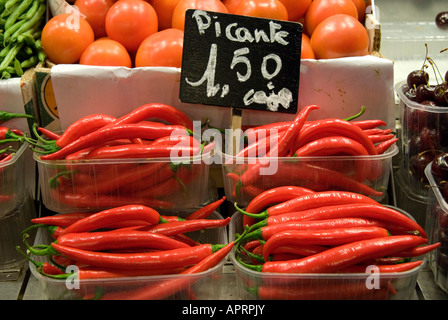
{"points": [[361, 8], [64, 39], [163, 48], [319, 10], [164, 9], [296, 8], [339, 36], [106, 52], [306, 50], [178, 19], [130, 22], [95, 12], [231, 5], [269, 9]]}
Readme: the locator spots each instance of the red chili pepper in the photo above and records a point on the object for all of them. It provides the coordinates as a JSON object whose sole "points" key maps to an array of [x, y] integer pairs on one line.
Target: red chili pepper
{"points": [[119, 239], [264, 230], [164, 289], [95, 273], [147, 260], [334, 127], [106, 217], [341, 290], [49, 134], [44, 268], [6, 158], [110, 133], [384, 146], [321, 237], [332, 145], [305, 174], [83, 126], [385, 268], [62, 220], [339, 257], [142, 151], [310, 201], [286, 142], [376, 138], [369, 124], [393, 219], [178, 227], [258, 148], [106, 201], [271, 196], [377, 131], [156, 110], [418, 251], [5, 130], [206, 211]]}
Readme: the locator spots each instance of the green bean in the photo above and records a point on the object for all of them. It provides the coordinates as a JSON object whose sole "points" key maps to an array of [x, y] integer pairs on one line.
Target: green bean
{"points": [[25, 4], [17, 67], [12, 29], [32, 10], [29, 63], [10, 56], [33, 22], [5, 75], [10, 3]]}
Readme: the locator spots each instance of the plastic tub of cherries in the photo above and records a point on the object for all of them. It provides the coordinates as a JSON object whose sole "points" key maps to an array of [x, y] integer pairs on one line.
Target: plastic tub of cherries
{"points": [[423, 108], [437, 218]]}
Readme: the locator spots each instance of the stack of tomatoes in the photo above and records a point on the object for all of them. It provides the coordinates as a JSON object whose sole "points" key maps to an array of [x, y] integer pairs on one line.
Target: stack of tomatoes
{"points": [[138, 33]]}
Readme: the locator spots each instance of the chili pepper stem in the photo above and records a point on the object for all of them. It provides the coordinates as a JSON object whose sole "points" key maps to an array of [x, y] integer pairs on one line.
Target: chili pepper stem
{"points": [[360, 113], [261, 215], [48, 250]]}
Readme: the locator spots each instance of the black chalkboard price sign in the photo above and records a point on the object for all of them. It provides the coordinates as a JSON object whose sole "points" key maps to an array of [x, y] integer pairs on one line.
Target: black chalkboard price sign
{"points": [[240, 62]]}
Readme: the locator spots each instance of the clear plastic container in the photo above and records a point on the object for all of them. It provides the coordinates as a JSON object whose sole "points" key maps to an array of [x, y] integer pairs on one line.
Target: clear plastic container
{"points": [[254, 285], [408, 199], [203, 286], [437, 231], [422, 136], [367, 175], [13, 180], [11, 225], [91, 185]]}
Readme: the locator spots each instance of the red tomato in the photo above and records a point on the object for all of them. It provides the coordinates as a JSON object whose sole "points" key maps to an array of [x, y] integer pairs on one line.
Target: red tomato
{"points": [[319, 10], [361, 8], [296, 8], [231, 5], [95, 12], [164, 9], [64, 39], [269, 9], [130, 22], [307, 51], [340, 36], [161, 49], [106, 52], [178, 20]]}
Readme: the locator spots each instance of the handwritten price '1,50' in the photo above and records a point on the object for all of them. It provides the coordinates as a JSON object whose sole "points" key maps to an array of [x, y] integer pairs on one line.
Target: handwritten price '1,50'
{"points": [[239, 34]]}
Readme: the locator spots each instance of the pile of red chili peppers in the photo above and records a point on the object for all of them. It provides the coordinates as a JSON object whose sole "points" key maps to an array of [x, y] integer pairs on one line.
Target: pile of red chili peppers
{"points": [[294, 230], [128, 241], [151, 131], [334, 154]]}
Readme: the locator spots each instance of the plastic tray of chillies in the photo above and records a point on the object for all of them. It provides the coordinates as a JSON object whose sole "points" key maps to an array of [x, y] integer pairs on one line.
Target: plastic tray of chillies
{"points": [[13, 150], [326, 154], [129, 252], [437, 218], [333, 245], [148, 156], [423, 107]]}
